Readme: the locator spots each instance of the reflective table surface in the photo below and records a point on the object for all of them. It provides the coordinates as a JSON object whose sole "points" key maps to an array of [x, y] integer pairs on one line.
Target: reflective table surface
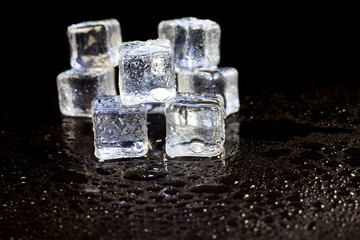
{"points": [[290, 170]]}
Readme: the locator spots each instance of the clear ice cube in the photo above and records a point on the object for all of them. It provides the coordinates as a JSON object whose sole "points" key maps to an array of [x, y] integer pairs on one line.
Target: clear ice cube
{"points": [[77, 88], [196, 42], [94, 43], [223, 81], [146, 72], [195, 125], [119, 131]]}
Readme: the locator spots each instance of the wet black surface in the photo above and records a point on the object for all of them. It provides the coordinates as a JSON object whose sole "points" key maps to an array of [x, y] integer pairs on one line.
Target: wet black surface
{"points": [[290, 170]]}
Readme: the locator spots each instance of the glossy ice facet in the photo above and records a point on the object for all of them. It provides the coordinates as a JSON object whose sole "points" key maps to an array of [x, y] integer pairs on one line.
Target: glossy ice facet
{"points": [[94, 43], [77, 89], [195, 125], [146, 72], [119, 131], [223, 81], [196, 42]]}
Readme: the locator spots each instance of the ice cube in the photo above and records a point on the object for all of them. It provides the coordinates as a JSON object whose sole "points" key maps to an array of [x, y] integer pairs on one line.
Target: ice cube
{"points": [[195, 125], [196, 42], [223, 80], [77, 88], [119, 131], [146, 72], [94, 43]]}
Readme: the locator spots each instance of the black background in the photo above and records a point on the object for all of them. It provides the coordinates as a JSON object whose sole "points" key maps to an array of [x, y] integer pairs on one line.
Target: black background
{"points": [[273, 45]]}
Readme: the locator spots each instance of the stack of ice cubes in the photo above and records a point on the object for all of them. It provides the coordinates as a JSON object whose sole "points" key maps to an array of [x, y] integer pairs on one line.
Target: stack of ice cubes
{"points": [[196, 44], [206, 93], [146, 76], [93, 56], [187, 52]]}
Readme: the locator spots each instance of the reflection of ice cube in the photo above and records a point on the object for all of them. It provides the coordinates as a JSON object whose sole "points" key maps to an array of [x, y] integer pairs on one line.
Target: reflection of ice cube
{"points": [[232, 137], [146, 72], [77, 89], [195, 125], [94, 43], [75, 133], [223, 80], [196, 42], [119, 131]]}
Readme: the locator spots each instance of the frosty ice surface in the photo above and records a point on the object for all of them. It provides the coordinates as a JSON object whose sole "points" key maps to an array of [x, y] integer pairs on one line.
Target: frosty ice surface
{"points": [[119, 131], [195, 125], [77, 89], [223, 80], [146, 72], [196, 42], [94, 43]]}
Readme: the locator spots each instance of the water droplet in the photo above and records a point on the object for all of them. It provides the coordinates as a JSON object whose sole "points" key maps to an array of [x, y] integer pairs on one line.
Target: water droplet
{"points": [[297, 160], [176, 182], [144, 173], [157, 197], [312, 155], [209, 188], [154, 188], [229, 179], [105, 171], [123, 185], [160, 94], [197, 146], [240, 194], [184, 196], [135, 191], [313, 146], [171, 191]]}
